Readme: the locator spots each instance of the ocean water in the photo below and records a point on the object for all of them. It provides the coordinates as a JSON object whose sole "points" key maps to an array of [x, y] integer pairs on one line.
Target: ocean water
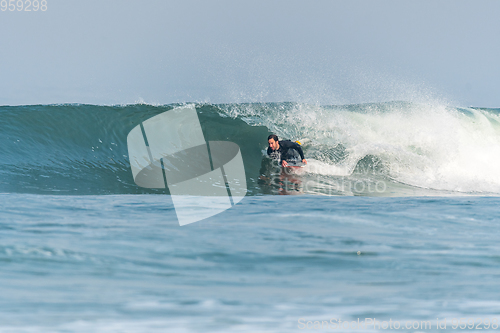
{"points": [[394, 220]]}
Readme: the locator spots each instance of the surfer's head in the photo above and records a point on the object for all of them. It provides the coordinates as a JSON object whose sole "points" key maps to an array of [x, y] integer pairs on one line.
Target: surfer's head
{"points": [[273, 142]]}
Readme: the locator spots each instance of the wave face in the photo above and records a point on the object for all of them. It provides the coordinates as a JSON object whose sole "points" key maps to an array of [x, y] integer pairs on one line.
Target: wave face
{"points": [[382, 149]]}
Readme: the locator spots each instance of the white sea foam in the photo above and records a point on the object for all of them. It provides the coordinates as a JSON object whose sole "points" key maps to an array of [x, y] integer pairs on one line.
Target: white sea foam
{"points": [[424, 145]]}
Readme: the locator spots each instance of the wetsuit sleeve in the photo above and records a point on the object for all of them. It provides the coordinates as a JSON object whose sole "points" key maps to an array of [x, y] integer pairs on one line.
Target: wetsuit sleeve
{"points": [[269, 150], [299, 149], [294, 145]]}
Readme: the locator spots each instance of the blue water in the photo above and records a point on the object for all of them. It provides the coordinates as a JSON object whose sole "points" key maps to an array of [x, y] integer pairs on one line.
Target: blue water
{"points": [[121, 263], [395, 219]]}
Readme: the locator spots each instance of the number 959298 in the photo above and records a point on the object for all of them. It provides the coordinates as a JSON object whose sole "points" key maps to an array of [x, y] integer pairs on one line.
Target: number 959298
{"points": [[23, 5]]}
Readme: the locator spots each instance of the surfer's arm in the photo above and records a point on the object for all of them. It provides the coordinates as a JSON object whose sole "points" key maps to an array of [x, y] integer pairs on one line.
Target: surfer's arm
{"points": [[301, 153], [293, 145], [298, 148]]}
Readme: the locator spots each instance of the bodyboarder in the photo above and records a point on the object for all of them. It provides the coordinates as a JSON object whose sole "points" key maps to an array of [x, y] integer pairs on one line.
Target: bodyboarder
{"points": [[283, 150]]}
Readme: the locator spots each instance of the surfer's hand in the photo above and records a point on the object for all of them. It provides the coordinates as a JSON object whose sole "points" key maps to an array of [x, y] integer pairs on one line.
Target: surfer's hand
{"points": [[284, 163], [304, 161]]}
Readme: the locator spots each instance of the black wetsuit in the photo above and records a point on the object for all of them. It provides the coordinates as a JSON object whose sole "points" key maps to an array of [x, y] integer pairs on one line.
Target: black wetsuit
{"points": [[286, 150]]}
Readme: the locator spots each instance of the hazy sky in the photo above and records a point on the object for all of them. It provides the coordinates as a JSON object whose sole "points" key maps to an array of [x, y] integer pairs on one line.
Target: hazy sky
{"points": [[328, 52]]}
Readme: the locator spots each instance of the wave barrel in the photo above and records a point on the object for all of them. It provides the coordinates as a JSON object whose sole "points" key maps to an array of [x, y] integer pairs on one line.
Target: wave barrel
{"points": [[169, 150]]}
